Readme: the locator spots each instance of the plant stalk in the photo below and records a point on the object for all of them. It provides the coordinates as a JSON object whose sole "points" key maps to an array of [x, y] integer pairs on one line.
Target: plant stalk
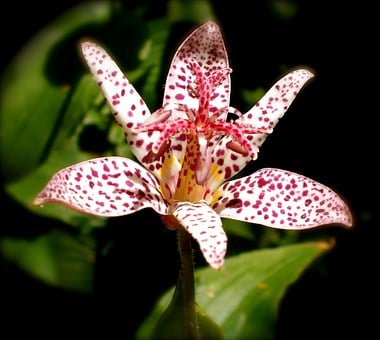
{"points": [[185, 283]]}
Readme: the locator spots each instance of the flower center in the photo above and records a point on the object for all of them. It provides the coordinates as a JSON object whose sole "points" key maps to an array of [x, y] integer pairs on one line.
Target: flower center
{"points": [[206, 122]]}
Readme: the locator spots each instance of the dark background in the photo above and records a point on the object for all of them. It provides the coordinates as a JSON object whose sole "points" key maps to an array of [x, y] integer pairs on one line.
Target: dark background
{"points": [[328, 135]]}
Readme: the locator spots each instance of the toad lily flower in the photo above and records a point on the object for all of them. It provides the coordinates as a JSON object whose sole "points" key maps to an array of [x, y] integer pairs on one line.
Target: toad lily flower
{"points": [[188, 150]]}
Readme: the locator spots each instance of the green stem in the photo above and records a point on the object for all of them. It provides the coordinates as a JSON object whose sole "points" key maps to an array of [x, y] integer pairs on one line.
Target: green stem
{"points": [[186, 283]]}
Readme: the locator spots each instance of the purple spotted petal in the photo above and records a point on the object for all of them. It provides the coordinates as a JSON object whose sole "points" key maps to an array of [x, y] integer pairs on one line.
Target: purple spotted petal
{"points": [[127, 106], [265, 114], [205, 47], [268, 111], [112, 186], [281, 199], [205, 226]]}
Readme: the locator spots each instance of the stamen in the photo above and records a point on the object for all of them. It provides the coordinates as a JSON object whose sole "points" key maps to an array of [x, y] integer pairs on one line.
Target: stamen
{"points": [[155, 156], [160, 116], [237, 147]]}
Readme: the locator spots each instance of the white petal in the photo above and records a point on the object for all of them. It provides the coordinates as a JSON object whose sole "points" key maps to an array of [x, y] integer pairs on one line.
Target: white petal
{"points": [[112, 186], [281, 199], [205, 226], [204, 46], [268, 111], [128, 108], [265, 114]]}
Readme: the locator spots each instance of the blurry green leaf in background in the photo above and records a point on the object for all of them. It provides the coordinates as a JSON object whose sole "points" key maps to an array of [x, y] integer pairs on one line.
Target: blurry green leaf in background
{"points": [[57, 258]]}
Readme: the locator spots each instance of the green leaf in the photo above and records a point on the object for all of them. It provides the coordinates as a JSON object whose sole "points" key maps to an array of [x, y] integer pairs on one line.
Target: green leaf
{"points": [[57, 258], [251, 97], [158, 36], [25, 190], [243, 298], [65, 152], [197, 11], [32, 97]]}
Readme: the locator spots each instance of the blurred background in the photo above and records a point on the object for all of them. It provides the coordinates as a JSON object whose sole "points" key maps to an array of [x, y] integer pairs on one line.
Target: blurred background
{"points": [[328, 134]]}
